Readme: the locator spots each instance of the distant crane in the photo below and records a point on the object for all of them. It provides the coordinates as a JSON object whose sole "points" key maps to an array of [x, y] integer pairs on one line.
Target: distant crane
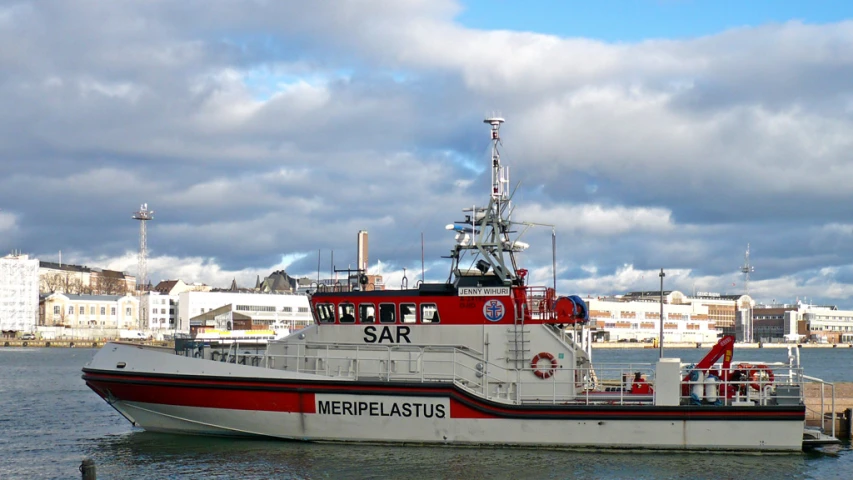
{"points": [[143, 215], [746, 269]]}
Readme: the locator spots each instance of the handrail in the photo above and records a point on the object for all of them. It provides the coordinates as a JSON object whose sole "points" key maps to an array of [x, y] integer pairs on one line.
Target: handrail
{"points": [[823, 383]]}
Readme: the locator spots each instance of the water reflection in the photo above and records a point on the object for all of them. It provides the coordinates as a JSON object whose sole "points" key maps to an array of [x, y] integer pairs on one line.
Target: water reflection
{"points": [[150, 455]]}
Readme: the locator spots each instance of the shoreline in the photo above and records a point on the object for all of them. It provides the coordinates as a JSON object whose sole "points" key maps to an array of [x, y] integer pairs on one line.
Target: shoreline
{"points": [[79, 343]]}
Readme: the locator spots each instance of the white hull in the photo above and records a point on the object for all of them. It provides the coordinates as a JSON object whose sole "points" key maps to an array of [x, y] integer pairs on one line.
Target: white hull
{"points": [[718, 435]]}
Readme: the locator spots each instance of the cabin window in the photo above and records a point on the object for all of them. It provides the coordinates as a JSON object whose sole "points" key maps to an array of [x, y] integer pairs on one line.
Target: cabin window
{"points": [[346, 313], [325, 312], [429, 313], [408, 313], [367, 313], [387, 313]]}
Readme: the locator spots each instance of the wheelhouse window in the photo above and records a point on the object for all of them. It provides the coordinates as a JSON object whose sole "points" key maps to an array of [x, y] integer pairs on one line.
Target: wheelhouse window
{"points": [[387, 313], [429, 313], [366, 313], [408, 313], [325, 312], [346, 313]]}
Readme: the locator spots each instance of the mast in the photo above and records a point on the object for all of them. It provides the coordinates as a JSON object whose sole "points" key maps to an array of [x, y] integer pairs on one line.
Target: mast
{"points": [[486, 232]]}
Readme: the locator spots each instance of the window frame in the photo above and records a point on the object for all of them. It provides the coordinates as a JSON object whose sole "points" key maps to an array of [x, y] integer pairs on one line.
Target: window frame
{"points": [[384, 307], [435, 315], [346, 310], [361, 313], [413, 309], [325, 312]]}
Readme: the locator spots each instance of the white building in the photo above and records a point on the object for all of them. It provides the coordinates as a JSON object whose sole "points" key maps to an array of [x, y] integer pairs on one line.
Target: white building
{"points": [[159, 311], [290, 310], [640, 321], [19, 293], [89, 311], [823, 324]]}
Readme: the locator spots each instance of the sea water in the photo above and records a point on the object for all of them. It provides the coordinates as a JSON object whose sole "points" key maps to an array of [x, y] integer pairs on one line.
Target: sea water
{"points": [[50, 421]]}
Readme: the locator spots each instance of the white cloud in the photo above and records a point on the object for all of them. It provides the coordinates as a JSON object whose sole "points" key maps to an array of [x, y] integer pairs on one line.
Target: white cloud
{"points": [[598, 220], [259, 130]]}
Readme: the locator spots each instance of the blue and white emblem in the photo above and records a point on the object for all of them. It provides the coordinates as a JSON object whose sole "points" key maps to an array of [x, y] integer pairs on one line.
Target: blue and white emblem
{"points": [[494, 310]]}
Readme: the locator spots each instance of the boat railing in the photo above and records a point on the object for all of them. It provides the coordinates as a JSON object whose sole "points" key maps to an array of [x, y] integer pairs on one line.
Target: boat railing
{"points": [[745, 384], [821, 412], [627, 383], [606, 383], [467, 369]]}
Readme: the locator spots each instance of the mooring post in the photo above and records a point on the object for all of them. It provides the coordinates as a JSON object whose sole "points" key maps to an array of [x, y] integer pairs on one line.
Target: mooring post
{"points": [[848, 420], [87, 468]]}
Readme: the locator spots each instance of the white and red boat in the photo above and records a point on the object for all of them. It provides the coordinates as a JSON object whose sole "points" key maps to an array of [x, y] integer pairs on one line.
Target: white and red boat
{"points": [[483, 359]]}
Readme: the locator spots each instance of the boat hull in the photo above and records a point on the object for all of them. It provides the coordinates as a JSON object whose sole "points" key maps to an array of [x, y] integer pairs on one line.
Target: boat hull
{"points": [[168, 393]]}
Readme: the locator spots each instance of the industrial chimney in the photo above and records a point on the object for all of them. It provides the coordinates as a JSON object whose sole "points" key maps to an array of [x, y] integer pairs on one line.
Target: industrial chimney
{"points": [[362, 250]]}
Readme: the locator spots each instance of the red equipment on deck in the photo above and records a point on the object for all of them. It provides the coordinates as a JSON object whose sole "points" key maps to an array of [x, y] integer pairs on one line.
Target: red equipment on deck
{"points": [[724, 348]]}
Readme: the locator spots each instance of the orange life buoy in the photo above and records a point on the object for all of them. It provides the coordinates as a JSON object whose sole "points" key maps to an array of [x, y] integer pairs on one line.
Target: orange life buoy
{"points": [[543, 374], [760, 375]]}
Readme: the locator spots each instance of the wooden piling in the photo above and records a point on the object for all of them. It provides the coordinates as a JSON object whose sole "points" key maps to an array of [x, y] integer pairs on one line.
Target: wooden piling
{"points": [[87, 468]]}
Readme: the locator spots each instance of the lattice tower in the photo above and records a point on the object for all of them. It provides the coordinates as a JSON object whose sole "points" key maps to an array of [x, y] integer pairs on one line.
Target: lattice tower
{"points": [[143, 215]]}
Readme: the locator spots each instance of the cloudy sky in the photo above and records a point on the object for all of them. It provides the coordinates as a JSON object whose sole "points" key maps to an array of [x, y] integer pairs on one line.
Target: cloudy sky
{"points": [[653, 133]]}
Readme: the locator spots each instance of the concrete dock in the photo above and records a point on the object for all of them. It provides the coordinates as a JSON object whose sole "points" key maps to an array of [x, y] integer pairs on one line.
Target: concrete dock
{"points": [[843, 408]]}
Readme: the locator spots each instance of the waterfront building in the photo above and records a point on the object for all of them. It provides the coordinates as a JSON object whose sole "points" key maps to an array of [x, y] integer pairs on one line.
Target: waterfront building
{"points": [[775, 323], [727, 314], [824, 324], [802, 322], [19, 294], [77, 279], [618, 320], [159, 311], [89, 311], [159, 306], [268, 309]]}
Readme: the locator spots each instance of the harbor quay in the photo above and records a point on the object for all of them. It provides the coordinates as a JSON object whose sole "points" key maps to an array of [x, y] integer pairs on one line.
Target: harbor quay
{"points": [[72, 343]]}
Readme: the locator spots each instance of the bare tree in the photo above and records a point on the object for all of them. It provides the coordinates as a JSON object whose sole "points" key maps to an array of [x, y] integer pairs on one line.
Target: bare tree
{"points": [[110, 283], [51, 282]]}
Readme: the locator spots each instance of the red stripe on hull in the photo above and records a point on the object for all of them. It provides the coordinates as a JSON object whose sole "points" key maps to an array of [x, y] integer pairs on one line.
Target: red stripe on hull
{"points": [[232, 399], [290, 396]]}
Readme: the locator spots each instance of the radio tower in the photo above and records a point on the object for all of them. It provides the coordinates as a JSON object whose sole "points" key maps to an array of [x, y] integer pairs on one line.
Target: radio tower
{"points": [[746, 269], [143, 215]]}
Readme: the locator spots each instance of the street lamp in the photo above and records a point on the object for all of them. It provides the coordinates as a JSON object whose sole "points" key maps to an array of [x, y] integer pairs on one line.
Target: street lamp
{"points": [[660, 343]]}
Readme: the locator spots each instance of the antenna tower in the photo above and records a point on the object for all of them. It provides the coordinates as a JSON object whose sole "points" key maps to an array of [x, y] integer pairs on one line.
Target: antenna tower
{"points": [[143, 215], [746, 269]]}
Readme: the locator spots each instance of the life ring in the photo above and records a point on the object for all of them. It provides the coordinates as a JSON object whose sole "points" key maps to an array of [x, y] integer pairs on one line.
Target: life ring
{"points": [[215, 356], [197, 354], [255, 361], [759, 376], [543, 374]]}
